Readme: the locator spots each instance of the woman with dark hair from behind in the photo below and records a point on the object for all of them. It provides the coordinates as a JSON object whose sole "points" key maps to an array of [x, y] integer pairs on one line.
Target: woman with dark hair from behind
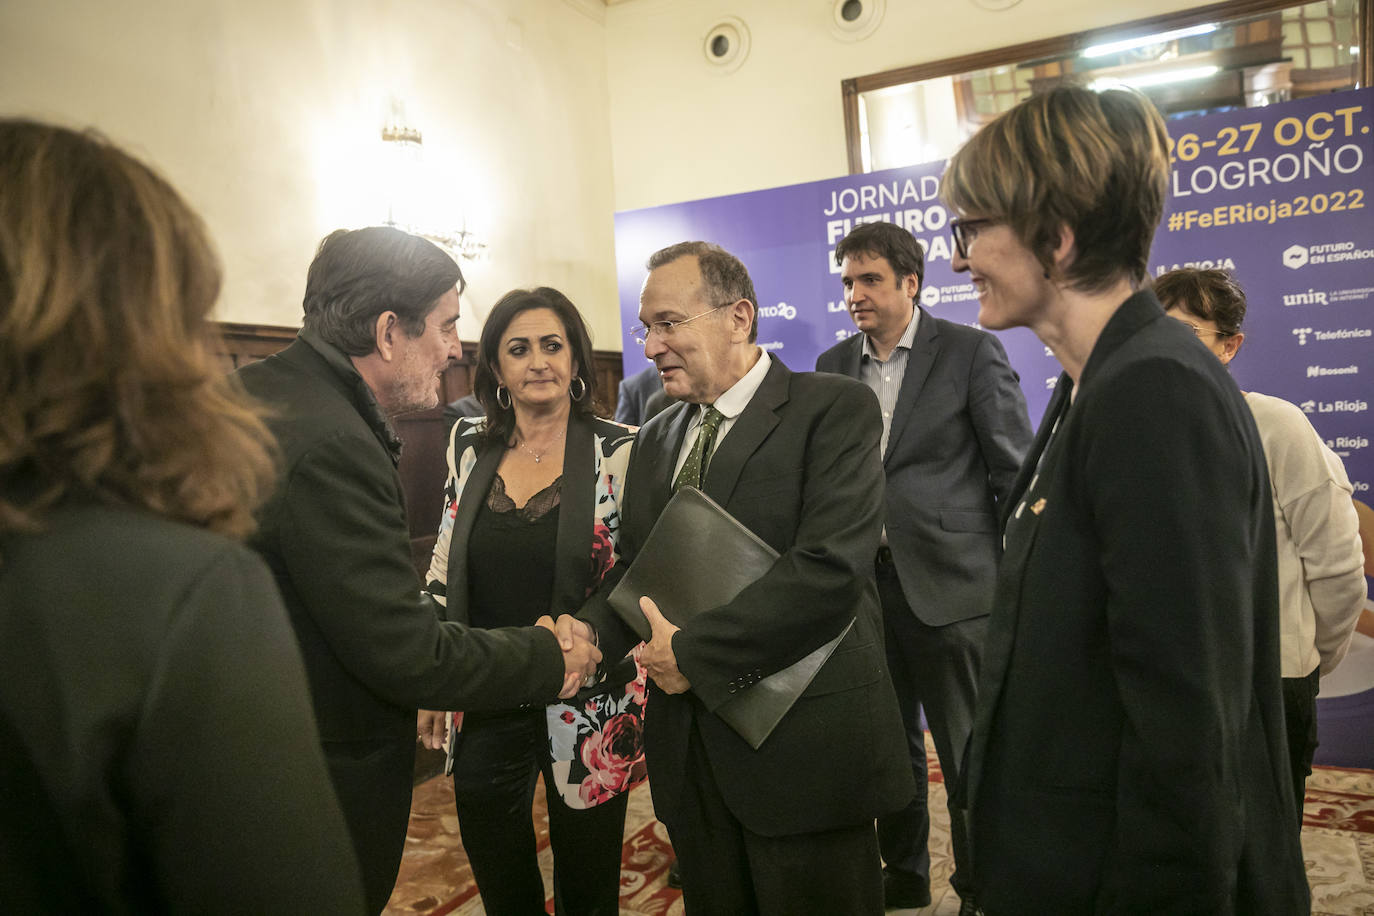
{"points": [[530, 527], [157, 747]]}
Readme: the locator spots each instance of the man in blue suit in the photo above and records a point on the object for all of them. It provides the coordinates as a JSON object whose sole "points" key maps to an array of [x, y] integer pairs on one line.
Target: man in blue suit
{"points": [[954, 433], [635, 392]]}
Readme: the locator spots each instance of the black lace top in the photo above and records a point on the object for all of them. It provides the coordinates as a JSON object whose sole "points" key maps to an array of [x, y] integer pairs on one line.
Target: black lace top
{"points": [[511, 557]]}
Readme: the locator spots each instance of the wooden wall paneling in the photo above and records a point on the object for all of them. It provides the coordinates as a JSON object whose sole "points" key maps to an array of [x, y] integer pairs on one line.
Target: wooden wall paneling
{"points": [[241, 344], [422, 469], [609, 370]]}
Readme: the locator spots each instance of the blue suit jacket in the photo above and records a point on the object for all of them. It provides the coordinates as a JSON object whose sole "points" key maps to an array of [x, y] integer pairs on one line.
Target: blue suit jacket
{"points": [[959, 433], [634, 392]]}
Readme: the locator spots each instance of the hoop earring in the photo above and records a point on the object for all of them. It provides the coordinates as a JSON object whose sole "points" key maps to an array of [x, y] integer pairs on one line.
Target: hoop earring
{"points": [[581, 388], [501, 389]]}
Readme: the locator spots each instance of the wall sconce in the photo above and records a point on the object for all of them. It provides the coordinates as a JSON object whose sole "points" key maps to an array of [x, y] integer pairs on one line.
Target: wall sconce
{"points": [[410, 194]]}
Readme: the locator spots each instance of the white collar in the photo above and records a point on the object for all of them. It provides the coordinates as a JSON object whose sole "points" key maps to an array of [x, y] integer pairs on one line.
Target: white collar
{"points": [[732, 402], [905, 342]]}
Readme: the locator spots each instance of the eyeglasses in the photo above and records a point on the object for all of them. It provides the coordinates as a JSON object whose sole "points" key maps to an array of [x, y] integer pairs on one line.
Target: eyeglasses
{"points": [[665, 329], [965, 231], [1198, 330]]}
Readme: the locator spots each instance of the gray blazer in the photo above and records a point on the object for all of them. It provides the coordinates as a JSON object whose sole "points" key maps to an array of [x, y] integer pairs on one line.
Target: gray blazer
{"points": [[959, 433]]}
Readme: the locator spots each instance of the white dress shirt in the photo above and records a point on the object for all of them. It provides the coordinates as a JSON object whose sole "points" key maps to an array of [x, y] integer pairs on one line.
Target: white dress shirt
{"points": [[885, 376], [731, 404]]}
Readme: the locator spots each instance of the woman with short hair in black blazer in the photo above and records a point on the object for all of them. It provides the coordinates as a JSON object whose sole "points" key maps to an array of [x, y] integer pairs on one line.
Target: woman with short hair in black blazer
{"points": [[158, 751], [531, 524], [1128, 747]]}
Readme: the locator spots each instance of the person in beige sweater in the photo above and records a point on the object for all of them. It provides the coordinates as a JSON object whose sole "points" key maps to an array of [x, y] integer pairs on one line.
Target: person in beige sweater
{"points": [[1320, 563]]}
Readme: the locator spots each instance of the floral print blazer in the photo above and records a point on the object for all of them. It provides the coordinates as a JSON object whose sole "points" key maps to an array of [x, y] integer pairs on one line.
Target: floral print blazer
{"points": [[596, 745]]}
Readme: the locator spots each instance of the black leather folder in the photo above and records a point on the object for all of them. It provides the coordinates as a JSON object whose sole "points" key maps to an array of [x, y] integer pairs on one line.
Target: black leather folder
{"points": [[698, 557]]}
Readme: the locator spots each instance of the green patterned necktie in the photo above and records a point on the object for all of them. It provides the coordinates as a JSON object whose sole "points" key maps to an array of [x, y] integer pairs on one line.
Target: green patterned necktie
{"points": [[700, 455]]}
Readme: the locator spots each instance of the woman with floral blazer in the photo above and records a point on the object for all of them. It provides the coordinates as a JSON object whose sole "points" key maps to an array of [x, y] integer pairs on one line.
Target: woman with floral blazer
{"points": [[495, 563]]}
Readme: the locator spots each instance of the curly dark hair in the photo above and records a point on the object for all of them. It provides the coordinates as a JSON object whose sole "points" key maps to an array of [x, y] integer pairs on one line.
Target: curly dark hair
{"points": [[501, 420]]}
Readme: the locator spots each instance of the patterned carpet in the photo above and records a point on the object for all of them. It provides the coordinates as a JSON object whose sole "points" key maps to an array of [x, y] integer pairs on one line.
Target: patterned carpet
{"points": [[435, 880]]}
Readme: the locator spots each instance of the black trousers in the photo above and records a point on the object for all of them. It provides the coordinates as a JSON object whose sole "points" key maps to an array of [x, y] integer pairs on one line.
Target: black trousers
{"points": [[498, 761], [935, 668], [728, 870], [1300, 722], [373, 782]]}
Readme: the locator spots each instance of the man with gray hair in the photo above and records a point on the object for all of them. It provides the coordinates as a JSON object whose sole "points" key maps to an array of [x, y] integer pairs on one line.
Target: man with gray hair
{"points": [[381, 309], [787, 827]]}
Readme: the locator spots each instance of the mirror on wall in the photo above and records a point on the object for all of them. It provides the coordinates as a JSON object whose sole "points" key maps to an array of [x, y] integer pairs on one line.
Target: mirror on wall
{"points": [[1217, 58]]}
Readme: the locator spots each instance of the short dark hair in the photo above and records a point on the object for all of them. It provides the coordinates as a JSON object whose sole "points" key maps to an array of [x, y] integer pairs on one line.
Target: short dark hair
{"points": [[501, 420], [1212, 295], [884, 240], [724, 278], [359, 274], [1097, 162]]}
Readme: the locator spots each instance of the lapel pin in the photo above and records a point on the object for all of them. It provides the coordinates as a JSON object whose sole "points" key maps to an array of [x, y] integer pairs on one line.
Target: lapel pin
{"points": [[1039, 506]]}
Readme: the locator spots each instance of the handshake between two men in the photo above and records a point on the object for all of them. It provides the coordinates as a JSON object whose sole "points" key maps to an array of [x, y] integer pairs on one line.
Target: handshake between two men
{"points": [[580, 654], [580, 660], [658, 658]]}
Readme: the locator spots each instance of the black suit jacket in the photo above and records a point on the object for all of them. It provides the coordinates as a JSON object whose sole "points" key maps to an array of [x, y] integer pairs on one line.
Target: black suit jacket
{"points": [[1128, 750], [959, 433], [800, 469], [658, 402], [335, 536], [466, 406], [157, 749]]}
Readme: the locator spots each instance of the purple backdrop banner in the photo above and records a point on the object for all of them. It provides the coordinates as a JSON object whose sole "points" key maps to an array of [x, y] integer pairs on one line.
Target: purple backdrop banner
{"points": [[1281, 196]]}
